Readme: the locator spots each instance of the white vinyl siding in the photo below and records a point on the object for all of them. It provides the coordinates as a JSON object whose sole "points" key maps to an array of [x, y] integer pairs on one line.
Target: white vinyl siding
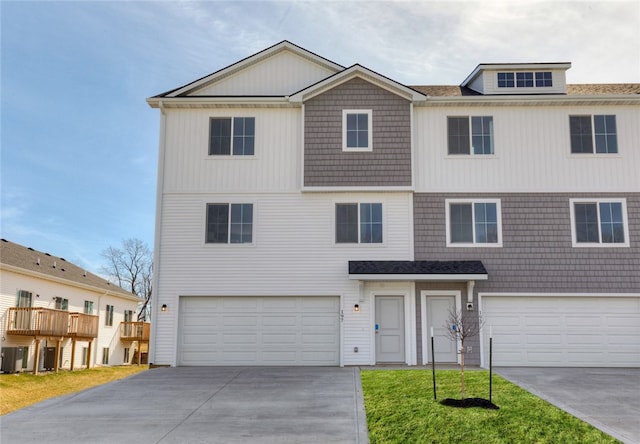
{"points": [[267, 330], [533, 154], [280, 75], [283, 262], [557, 331], [274, 167]]}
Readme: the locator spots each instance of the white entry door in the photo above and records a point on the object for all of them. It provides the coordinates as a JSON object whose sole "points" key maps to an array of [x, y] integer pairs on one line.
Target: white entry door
{"points": [[389, 329], [438, 313]]}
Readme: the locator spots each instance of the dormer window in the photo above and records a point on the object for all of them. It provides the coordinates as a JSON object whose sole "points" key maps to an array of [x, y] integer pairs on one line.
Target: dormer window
{"points": [[525, 79]]}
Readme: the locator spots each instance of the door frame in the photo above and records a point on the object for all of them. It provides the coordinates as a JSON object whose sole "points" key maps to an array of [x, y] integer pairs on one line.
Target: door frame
{"points": [[406, 299], [426, 337]]}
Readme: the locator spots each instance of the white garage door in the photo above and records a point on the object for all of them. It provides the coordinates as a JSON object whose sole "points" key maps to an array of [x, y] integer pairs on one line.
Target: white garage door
{"points": [[259, 331], [562, 331]]}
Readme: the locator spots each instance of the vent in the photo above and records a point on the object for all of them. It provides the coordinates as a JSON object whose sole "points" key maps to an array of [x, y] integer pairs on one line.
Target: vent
{"points": [[63, 259], [30, 249], [54, 264], [4, 240], [47, 254], [38, 262]]}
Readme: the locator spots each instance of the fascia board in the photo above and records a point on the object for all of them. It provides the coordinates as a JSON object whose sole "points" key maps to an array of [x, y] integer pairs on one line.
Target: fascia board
{"points": [[203, 101], [420, 277], [540, 99]]}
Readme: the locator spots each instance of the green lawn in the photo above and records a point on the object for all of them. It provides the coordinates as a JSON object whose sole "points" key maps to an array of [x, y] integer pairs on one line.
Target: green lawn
{"points": [[401, 409], [23, 389]]}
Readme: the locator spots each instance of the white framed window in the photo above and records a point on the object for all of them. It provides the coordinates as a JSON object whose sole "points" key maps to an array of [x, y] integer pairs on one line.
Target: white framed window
{"points": [[88, 307], [229, 223], [105, 355], [108, 319], [357, 127], [359, 223], [599, 223], [232, 136], [61, 303], [470, 135], [525, 79], [588, 131], [473, 223]]}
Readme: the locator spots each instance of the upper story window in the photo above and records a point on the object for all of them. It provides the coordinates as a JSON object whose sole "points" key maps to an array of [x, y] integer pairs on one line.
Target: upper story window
{"points": [[525, 79], [359, 223], [473, 223], [61, 303], [24, 298], [505, 80], [128, 316], [583, 136], [88, 307], [461, 140], [599, 222], [232, 136], [357, 130], [543, 79], [108, 316], [229, 223]]}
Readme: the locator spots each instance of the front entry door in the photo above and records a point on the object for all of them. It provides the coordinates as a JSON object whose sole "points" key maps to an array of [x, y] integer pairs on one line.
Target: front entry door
{"points": [[438, 313], [389, 329]]}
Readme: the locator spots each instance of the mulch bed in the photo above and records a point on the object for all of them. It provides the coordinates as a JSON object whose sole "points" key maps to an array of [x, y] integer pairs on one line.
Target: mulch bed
{"points": [[469, 402]]}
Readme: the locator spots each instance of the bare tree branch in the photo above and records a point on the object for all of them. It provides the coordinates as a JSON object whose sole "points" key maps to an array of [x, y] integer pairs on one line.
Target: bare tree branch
{"points": [[131, 267]]}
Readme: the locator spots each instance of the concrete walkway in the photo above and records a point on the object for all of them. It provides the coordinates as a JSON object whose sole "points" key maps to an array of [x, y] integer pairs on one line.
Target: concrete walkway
{"points": [[607, 398], [203, 405]]}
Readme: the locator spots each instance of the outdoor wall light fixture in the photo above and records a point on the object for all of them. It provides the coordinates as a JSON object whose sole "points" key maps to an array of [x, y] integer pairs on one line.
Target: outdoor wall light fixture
{"points": [[164, 307], [356, 308]]}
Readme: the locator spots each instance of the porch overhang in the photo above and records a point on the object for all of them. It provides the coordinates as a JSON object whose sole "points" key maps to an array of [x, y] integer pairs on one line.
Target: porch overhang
{"points": [[434, 271]]}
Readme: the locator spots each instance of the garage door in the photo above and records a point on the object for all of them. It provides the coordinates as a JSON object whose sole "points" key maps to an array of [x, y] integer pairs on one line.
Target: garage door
{"points": [[259, 331], [562, 331]]}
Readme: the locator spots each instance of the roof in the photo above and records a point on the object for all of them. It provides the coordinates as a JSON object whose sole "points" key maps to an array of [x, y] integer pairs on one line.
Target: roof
{"points": [[235, 67], [586, 89], [362, 72], [26, 258], [417, 270]]}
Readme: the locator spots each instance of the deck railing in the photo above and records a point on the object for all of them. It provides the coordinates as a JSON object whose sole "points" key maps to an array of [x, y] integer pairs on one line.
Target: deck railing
{"points": [[83, 325], [38, 321], [134, 331]]}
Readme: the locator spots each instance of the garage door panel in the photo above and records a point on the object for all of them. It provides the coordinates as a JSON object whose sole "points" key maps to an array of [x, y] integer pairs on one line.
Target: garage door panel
{"points": [[259, 331], [563, 331]]}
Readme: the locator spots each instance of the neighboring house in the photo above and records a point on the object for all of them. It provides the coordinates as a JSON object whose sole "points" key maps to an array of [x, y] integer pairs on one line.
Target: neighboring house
{"points": [[54, 314], [312, 214]]}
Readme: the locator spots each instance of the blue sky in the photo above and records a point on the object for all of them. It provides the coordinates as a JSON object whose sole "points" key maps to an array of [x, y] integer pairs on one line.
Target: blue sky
{"points": [[79, 143]]}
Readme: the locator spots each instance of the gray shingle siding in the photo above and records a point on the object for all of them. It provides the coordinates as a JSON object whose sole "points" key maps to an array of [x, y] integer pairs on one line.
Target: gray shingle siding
{"points": [[389, 164], [537, 253]]}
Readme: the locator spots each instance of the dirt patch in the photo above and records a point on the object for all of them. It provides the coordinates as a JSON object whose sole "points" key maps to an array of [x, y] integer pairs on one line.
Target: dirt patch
{"points": [[470, 402]]}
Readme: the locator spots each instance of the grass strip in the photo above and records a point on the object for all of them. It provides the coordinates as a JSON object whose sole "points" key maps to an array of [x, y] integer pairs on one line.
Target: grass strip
{"points": [[24, 389], [400, 409]]}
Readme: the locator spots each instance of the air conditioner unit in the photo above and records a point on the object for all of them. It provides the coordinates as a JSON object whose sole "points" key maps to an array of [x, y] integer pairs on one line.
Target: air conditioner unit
{"points": [[11, 359]]}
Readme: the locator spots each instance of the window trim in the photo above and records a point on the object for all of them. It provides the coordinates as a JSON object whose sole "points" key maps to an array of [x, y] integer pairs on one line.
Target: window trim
{"points": [[228, 242], [231, 155], [359, 222], [471, 152], [473, 244], [597, 201], [594, 147], [369, 147], [514, 79]]}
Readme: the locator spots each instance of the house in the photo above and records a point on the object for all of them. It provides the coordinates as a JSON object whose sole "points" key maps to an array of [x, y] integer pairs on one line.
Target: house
{"points": [[314, 214], [54, 314]]}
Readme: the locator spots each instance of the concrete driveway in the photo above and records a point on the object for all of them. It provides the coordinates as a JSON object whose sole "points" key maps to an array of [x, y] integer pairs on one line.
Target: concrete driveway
{"points": [[607, 398], [203, 405]]}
